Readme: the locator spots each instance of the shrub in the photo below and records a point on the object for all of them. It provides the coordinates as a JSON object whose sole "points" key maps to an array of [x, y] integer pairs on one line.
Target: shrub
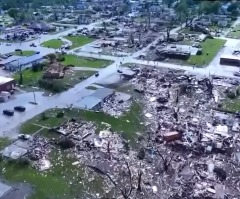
{"points": [[66, 143], [231, 95]]}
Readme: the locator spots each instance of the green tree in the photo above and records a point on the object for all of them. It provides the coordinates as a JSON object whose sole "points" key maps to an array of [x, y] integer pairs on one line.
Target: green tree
{"points": [[210, 7], [232, 7], [168, 2], [235, 13], [13, 12], [52, 57], [182, 8]]}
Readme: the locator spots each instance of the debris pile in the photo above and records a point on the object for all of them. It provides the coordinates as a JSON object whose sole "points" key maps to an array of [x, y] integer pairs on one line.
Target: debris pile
{"points": [[117, 105]]}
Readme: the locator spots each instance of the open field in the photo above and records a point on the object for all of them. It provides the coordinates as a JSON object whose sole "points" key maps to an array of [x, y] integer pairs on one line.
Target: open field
{"points": [[210, 48], [85, 62], [53, 43], [78, 41]]}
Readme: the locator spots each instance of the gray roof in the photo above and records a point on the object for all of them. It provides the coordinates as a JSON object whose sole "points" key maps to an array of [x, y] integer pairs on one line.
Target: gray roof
{"points": [[9, 60], [88, 102], [27, 60], [102, 93]]}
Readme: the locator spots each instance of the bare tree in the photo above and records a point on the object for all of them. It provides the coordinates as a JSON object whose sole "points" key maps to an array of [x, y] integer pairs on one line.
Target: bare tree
{"points": [[166, 160], [140, 173], [127, 190]]}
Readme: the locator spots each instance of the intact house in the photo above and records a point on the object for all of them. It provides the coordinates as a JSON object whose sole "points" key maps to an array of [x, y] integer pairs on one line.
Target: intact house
{"points": [[23, 63], [7, 84]]}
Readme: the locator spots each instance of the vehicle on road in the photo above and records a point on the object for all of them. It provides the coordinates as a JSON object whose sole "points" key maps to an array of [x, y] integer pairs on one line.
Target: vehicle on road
{"points": [[8, 44], [97, 74], [119, 71], [33, 45], [18, 49], [236, 74], [37, 52], [19, 108], [8, 112]]}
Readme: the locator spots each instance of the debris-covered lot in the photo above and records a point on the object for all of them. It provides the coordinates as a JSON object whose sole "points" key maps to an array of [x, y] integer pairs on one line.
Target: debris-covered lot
{"points": [[186, 142]]}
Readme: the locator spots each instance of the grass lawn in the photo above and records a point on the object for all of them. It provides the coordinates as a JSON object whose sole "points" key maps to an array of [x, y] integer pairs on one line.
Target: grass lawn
{"points": [[232, 105], [91, 88], [53, 43], [30, 78], [25, 53], [55, 183], [70, 79], [235, 33], [78, 41], [85, 62], [188, 31], [128, 124], [210, 46], [62, 181]]}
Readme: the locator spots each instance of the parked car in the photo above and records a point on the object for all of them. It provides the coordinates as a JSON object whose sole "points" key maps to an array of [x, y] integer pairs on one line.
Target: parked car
{"points": [[119, 71], [24, 136], [19, 108], [37, 52], [8, 112], [18, 49], [33, 45], [8, 44], [97, 74], [236, 74]]}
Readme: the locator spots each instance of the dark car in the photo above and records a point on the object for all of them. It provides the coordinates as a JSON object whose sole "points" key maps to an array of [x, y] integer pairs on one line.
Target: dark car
{"points": [[18, 49], [19, 108], [8, 112], [236, 74], [37, 52], [119, 71], [97, 74]]}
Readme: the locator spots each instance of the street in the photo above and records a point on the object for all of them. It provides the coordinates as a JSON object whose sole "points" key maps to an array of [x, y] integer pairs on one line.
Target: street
{"points": [[9, 125]]}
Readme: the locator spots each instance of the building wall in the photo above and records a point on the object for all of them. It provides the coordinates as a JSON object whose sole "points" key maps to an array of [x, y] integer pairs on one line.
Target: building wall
{"points": [[8, 86]]}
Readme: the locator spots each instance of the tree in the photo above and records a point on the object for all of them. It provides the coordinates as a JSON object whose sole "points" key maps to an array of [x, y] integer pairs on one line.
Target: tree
{"points": [[235, 13], [182, 8], [168, 2], [127, 190], [22, 17], [232, 7], [210, 7], [13, 13], [52, 57]]}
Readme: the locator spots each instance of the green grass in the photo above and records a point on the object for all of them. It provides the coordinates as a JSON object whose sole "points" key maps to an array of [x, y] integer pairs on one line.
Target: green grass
{"points": [[232, 105], [78, 41], [25, 53], [30, 78], [4, 142], [70, 79], [54, 183], [236, 33], [53, 43], [128, 124], [91, 88], [188, 31], [85, 62], [211, 46]]}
